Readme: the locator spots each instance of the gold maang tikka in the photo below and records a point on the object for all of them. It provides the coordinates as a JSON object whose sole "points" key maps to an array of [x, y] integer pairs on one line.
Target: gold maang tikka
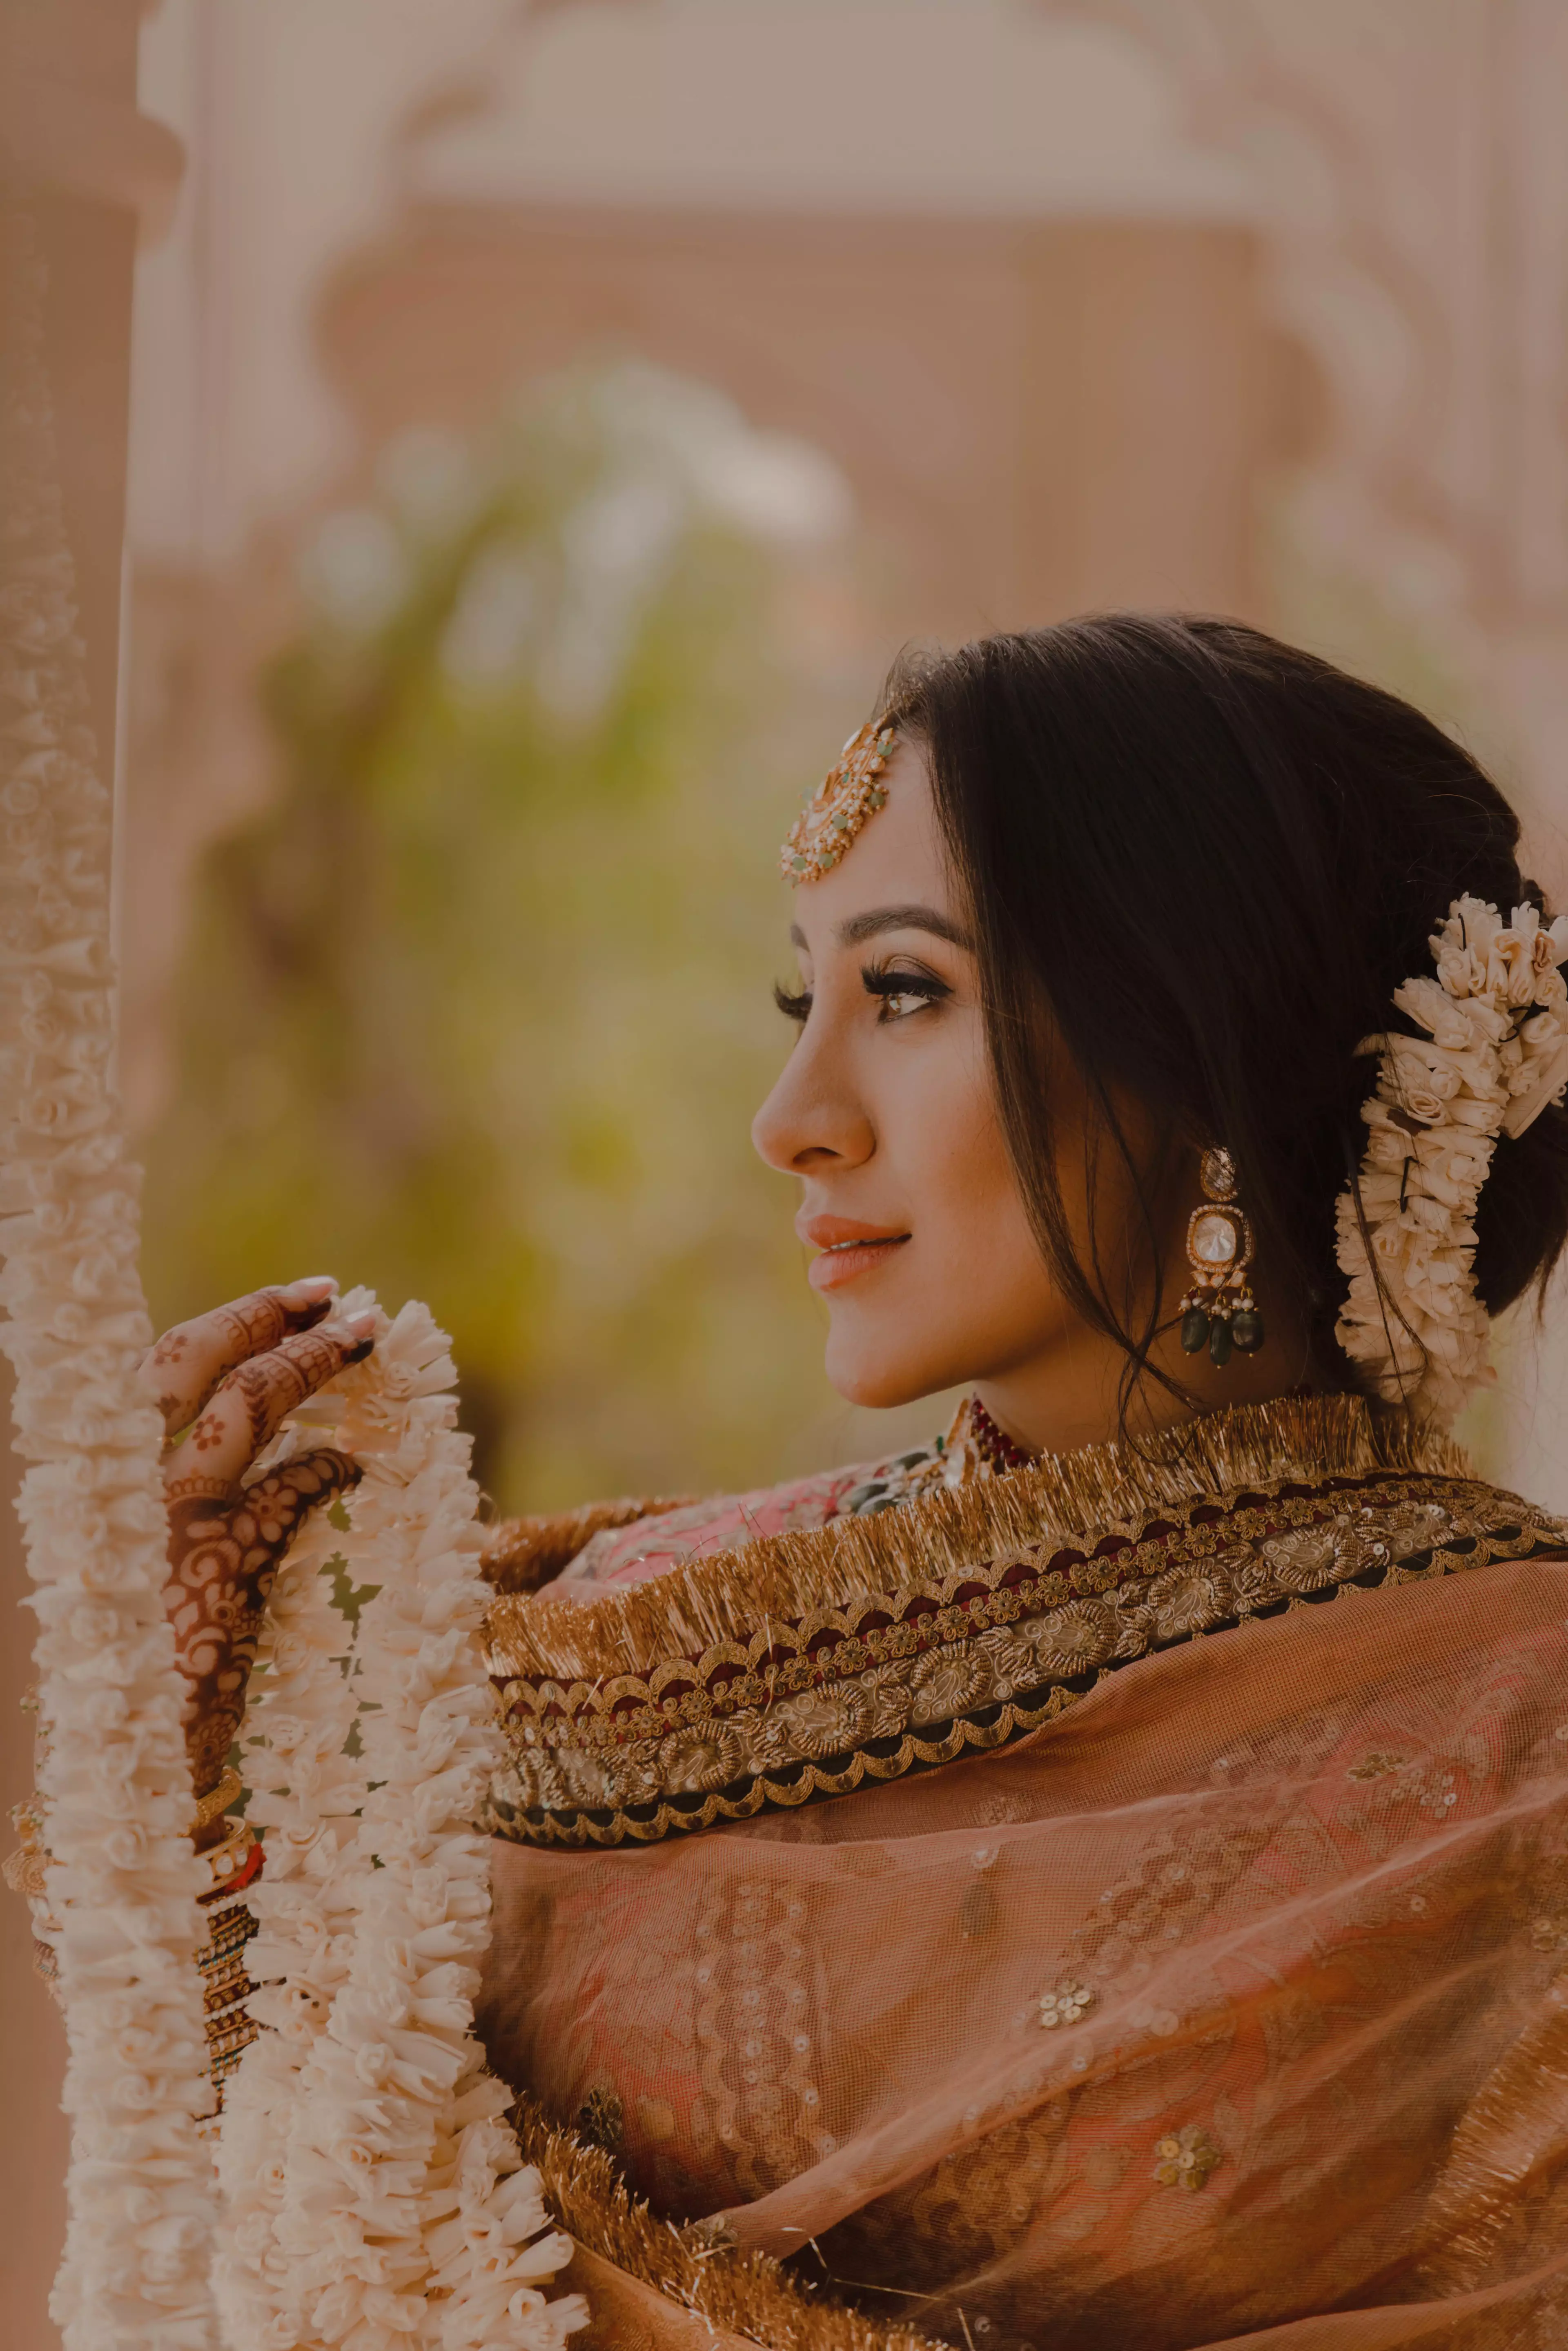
{"points": [[847, 796], [1219, 1311]]}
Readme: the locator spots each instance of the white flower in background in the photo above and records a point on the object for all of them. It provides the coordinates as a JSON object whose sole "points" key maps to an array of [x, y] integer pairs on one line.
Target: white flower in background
{"points": [[499, 607], [1487, 1066], [431, 477], [557, 599], [356, 569]]}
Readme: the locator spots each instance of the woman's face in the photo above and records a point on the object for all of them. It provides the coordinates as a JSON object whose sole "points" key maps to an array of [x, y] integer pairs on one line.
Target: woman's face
{"points": [[885, 1112]]}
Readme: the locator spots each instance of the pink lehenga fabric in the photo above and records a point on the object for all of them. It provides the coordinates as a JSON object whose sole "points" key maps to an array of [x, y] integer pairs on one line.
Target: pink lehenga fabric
{"points": [[622, 1556], [1229, 2008]]}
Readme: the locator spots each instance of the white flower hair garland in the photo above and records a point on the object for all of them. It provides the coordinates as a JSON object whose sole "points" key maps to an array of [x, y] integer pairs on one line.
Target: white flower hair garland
{"points": [[375, 2196], [120, 1905], [1494, 1053]]}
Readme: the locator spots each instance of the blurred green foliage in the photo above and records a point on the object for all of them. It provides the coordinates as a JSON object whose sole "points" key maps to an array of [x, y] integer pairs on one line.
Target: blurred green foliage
{"points": [[477, 1011]]}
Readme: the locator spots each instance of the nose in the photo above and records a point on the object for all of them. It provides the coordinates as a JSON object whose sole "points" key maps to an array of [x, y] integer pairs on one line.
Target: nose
{"points": [[814, 1119]]}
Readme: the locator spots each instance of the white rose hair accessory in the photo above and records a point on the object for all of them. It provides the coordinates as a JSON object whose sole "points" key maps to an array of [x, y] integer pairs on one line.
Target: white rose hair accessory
{"points": [[1493, 1055]]}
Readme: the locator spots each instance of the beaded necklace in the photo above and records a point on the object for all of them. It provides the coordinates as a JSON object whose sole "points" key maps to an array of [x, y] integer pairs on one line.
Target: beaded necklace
{"points": [[996, 1448]]}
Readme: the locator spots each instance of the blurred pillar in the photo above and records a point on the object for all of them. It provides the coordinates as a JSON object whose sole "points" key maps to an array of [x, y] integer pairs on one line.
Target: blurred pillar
{"points": [[91, 172]]}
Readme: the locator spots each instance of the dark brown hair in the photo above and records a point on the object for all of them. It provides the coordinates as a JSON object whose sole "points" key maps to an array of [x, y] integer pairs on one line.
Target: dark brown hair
{"points": [[1209, 858]]}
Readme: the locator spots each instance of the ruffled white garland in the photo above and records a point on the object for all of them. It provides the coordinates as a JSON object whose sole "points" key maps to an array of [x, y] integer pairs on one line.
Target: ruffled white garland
{"points": [[121, 1901], [375, 2196], [1495, 1052], [376, 2199]]}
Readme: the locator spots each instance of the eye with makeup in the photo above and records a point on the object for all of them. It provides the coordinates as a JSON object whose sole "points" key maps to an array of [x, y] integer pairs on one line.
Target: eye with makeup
{"points": [[794, 1004], [904, 989]]}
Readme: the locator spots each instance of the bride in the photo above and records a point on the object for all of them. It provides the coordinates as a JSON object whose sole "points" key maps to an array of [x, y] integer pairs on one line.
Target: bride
{"points": [[1100, 1878]]}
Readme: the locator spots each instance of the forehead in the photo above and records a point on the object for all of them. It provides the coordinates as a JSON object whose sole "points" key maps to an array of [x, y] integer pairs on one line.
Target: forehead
{"points": [[897, 858]]}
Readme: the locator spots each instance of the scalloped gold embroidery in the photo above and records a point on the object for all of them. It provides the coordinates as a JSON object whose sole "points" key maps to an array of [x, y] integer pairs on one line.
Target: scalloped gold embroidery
{"points": [[838, 1736], [960, 1620]]}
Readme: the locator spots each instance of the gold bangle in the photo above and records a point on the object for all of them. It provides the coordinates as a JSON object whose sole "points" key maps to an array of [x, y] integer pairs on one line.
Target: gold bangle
{"points": [[219, 1948], [227, 2045], [233, 1927], [226, 1967], [221, 1999], [224, 1991], [226, 1860], [217, 1800], [224, 1904]]}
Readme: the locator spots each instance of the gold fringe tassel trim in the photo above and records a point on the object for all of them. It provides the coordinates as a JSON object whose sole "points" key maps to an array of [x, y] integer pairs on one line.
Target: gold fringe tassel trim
{"points": [[1060, 1499], [749, 2294], [1512, 2137], [520, 1554]]}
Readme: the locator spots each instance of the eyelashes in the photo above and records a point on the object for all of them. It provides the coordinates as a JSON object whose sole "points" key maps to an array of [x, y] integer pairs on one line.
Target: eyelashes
{"points": [[924, 985], [921, 988]]}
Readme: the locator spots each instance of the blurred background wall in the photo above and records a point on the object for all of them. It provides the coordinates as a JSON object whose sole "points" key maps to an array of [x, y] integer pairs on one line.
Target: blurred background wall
{"points": [[817, 327], [545, 423]]}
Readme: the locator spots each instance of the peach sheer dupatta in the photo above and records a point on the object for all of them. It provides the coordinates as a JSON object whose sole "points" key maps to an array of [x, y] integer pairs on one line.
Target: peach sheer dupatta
{"points": [[1230, 2006]]}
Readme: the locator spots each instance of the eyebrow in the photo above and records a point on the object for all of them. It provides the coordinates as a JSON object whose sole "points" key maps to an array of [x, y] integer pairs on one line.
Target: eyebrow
{"points": [[869, 925]]}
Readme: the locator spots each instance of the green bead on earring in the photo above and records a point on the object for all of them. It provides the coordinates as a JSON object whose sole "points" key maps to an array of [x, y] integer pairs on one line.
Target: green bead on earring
{"points": [[1218, 1311]]}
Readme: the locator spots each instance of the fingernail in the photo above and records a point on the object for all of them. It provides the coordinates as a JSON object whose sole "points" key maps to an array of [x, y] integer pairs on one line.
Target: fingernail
{"points": [[314, 1285], [360, 1325]]}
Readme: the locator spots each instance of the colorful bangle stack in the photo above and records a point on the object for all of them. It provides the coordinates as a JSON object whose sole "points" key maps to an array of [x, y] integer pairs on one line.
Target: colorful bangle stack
{"points": [[232, 1865], [218, 1799], [226, 1986]]}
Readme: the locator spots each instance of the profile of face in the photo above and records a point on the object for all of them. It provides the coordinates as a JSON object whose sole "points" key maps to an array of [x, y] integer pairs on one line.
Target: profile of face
{"points": [[887, 1114], [885, 1111]]}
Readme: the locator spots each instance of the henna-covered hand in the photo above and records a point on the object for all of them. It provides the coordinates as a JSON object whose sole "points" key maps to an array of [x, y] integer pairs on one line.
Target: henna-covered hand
{"points": [[224, 1382]]}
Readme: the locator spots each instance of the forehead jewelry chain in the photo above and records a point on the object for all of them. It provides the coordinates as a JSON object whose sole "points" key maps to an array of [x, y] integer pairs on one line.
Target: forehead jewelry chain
{"points": [[1219, 1311], [849, 794]]}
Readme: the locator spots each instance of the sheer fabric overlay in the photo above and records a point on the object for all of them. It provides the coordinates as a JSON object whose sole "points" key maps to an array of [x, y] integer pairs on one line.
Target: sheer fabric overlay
{"points": [[1231, 2006]]}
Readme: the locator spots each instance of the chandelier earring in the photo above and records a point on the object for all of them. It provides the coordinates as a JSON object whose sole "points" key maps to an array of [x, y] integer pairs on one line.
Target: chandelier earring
{"points": [[1219, 1311]]}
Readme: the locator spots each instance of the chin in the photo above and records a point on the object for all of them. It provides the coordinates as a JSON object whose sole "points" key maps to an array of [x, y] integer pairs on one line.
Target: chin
{"points": [[883, 1375]]}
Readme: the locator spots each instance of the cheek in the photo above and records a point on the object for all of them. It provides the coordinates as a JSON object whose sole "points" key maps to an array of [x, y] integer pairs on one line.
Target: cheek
{"points": [[971, 1227], [972, 1294], [952, 1161]]}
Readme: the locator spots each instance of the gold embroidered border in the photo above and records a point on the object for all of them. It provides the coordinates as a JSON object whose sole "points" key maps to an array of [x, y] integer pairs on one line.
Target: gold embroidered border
{"points": [[989, 1726], [767, 1794], [695, 1606], [785, 1659], [748, 2294]]}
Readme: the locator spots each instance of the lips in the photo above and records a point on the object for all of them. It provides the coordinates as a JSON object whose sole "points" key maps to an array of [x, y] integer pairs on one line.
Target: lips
{"points": [[848, 1248]]}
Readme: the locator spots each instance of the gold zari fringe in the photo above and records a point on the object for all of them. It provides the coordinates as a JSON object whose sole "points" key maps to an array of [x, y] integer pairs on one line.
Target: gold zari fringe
{"points": [[749, 2293], [852, 1559], [1510, 2136], [522, 1553], [646, 1815]]}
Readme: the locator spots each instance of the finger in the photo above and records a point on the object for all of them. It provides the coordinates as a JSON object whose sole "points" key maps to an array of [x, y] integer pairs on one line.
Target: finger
{"points": [[269, 1513], [188, 1361], [246, 1408], [222, 1562]]}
